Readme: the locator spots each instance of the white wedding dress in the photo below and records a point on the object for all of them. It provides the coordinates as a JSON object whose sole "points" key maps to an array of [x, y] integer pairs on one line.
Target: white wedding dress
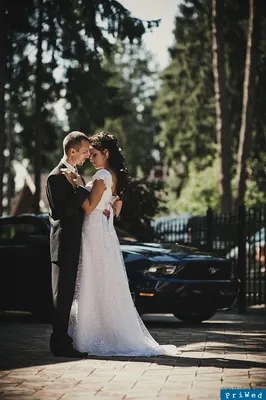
{"points": [[103, 319]]}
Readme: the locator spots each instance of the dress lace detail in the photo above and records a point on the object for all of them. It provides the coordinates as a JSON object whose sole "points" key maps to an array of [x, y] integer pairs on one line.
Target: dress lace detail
{"points": [[103, 319]]}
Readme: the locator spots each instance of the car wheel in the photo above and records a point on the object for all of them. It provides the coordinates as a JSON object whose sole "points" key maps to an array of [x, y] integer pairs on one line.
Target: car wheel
{"points": [[195, 317]]}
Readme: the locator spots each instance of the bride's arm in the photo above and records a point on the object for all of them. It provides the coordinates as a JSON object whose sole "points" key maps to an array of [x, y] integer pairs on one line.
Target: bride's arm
{"points": [[96, 193], [117, 206]]}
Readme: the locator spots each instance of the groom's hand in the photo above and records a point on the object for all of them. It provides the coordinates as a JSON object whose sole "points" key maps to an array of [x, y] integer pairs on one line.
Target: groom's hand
{"points": [[106, 213]]}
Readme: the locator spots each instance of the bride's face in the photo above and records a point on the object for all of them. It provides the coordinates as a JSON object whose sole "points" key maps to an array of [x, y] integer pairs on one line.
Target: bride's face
{"points": [[97, 158]]}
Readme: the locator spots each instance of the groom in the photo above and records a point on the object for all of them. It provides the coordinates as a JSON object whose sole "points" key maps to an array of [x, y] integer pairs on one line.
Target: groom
{"points": [[66, 218]]}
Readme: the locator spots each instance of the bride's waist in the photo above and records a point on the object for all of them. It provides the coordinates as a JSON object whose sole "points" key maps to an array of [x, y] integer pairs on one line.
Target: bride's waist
{"points": [[97, 217], [98, 210], [97, 213]]}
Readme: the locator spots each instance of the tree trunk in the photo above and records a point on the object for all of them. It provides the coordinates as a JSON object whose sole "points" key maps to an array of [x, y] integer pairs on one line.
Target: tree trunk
{"points": [[10, 156], [38, 124], [2, 96], [247, 104], [10, 123], [224, 137]]}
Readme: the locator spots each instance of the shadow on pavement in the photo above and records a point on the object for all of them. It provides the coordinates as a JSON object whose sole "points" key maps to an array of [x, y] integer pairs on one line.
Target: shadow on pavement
{"points": [[24, 343]]}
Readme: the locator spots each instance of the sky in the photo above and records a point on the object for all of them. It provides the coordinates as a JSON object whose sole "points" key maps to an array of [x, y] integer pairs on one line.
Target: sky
{"points": [[160, 38]]}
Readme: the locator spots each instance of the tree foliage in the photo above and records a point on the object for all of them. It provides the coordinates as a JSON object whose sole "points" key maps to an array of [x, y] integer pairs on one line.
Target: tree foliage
{"points": [[186, 103], [134, 74], [142, 202], [75, 36], [93, 64]]}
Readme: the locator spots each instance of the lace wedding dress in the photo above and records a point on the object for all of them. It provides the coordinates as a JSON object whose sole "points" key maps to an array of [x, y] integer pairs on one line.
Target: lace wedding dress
{"points": [[103, 319]]}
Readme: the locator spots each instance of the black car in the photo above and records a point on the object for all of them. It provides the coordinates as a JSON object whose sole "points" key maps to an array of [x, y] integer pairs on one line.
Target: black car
{"points": [[163, 278]]}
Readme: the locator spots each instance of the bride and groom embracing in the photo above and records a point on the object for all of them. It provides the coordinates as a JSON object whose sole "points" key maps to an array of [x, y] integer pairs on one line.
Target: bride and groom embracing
{"points": [[93, 309]]}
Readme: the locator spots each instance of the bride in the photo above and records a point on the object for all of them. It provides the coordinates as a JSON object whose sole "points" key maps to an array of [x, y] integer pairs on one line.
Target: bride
{"points": [[103, 319]]}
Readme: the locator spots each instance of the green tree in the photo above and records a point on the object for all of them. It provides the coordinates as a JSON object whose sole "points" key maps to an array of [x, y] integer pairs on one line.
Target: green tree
{"points": [[187, 128], [224, 135], [245, 135], [134, 74], [185, 106], [142, 202], [16, 25], [37, 111], [2, 94], [199, 192], [71, 36]]}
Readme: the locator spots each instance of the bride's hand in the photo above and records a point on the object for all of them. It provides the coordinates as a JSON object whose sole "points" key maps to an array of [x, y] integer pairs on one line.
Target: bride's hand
{"points": [[117, 206], [78, 180], [114, 210], [71, 176]]}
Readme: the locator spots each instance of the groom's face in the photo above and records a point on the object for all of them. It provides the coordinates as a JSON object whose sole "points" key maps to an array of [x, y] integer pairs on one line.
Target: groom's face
{"points": [[80, 154]]}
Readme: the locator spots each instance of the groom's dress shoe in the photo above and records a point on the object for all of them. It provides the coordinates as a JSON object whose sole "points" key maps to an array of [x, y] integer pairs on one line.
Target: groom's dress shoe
{"points": [[69, 352], [62, 347]]}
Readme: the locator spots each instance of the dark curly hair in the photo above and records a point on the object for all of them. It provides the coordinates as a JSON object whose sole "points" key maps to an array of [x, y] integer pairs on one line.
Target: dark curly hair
{"points": [[106, 141]]}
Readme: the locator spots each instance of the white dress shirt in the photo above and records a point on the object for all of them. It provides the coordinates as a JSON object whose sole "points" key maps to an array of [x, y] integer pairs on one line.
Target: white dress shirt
{"points": [[69, 166]]}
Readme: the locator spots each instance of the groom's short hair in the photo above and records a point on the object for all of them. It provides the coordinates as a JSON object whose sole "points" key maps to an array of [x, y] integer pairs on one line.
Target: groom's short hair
{"points": [[73, 140]]}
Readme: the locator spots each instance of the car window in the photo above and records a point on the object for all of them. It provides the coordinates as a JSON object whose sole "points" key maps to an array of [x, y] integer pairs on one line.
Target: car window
{"points": [[19, 231], [124, 236], [7, 231]]}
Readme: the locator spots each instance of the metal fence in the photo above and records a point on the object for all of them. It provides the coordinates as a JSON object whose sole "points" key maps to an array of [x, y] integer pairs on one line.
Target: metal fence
{"points": [[239, 236]]}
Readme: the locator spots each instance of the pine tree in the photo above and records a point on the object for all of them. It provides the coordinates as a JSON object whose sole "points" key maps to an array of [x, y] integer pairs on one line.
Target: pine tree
{"points": [[2, 94], [181, 120], [247, 122], [185, 103], [134, 74], [74, 35], [224, 135]]}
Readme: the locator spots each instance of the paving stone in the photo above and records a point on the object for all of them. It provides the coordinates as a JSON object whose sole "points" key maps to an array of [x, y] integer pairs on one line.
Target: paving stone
{"points": [[227, 351], [15, 392]]}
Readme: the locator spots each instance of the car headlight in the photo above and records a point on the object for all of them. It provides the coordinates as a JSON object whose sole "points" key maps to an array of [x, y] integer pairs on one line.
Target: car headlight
{"points": [[161, 270]]}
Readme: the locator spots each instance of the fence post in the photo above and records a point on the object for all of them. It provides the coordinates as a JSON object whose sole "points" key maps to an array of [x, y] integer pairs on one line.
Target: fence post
{"points": [[242, 260], [209, 222]]}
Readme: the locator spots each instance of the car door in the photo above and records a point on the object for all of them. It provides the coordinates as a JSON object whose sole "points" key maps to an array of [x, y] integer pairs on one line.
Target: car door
{"points": [[26, 266], [9, 256], [34, 280]]}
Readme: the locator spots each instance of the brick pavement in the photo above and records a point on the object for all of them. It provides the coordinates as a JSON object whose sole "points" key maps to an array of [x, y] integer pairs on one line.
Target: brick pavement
{"points": [[229, 351]]}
